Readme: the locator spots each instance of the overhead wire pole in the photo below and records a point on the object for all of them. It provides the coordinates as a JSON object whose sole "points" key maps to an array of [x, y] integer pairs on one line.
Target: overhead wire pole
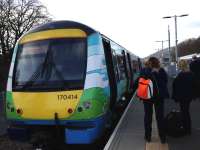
{"points": [[162, 41], [176, 40]]}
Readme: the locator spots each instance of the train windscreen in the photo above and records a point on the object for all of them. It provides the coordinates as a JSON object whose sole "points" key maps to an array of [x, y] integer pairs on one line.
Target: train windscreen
{"points": [[57, 64]]}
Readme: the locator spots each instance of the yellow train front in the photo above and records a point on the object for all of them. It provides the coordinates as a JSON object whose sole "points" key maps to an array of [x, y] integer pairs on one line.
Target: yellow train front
{"points": [[66, 75]]}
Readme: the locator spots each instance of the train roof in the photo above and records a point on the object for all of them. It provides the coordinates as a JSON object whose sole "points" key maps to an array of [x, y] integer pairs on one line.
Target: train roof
{"points": [[62, 25], [68, 24]]}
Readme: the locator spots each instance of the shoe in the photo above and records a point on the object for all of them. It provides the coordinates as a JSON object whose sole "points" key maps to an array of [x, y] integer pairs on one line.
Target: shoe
{"points": [[163, 139]]}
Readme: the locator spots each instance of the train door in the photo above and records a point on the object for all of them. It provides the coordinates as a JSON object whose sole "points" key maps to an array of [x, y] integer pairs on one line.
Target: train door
{"points": [[111, 72]]}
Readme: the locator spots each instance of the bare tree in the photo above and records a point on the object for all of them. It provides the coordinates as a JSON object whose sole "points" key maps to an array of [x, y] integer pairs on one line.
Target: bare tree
{"points": [[4, 15], [17, 17], [189, 46]]}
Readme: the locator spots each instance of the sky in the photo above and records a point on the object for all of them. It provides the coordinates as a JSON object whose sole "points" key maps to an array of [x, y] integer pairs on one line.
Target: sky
{"points": [[134, 24]]}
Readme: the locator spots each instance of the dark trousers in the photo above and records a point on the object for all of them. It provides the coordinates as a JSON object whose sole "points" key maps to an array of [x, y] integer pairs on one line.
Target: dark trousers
{"points": [[185, 106], [159, 111]]}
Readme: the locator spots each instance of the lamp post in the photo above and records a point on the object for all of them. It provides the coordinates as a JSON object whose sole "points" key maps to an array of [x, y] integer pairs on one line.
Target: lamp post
{"points": [[169, 45], [176, 41], [162, 41]]}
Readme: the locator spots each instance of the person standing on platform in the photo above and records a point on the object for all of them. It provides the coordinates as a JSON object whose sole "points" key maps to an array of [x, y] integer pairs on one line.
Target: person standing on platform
{"points": [[183, 92], [195, 68], [158, 76]]}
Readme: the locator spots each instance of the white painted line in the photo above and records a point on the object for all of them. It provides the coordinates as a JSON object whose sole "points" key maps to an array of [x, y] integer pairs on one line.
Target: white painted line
{"points": [[119, 123]]}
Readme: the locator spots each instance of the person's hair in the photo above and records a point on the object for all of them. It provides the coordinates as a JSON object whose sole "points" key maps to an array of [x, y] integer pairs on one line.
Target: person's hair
{"points": [[154, 62], [146, 63], [183, 65], [194, 57]]}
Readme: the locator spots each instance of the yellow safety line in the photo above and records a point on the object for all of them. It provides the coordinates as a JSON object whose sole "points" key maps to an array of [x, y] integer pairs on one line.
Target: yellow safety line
{"points": [[155, 143]]}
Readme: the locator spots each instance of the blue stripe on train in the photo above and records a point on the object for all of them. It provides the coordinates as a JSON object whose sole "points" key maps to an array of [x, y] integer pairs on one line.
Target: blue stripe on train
{"points": [[59, 122]]}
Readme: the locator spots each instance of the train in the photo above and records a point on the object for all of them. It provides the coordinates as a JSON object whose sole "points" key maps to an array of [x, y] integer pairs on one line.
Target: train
{"points": [[66, 76]]}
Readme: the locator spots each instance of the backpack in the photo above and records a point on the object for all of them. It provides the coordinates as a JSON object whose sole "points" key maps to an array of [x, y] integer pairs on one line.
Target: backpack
{"points": [[145, 89]]}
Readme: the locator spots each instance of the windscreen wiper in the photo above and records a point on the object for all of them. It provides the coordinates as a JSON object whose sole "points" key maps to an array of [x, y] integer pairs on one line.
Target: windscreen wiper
{"points": [[49, 65], [38, 71], [45, 70]]}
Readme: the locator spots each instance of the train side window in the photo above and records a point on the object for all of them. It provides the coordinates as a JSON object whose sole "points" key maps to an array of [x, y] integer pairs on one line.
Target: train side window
{"points": [[135, 66], [129, 65], [120, 61], [125, 64], [118, 55], [139, 64]]}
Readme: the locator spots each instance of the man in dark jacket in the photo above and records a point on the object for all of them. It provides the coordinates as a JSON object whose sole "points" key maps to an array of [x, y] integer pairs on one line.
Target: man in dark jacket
{"points": [[195, 65], [195, 68]]}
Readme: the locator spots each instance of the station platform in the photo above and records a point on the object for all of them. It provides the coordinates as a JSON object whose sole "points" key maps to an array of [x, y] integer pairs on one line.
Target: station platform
{"points": [[129, 133]]}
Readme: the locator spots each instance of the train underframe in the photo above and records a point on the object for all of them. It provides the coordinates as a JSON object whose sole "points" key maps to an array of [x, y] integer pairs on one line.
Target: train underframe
{"points": [[69, 132]]}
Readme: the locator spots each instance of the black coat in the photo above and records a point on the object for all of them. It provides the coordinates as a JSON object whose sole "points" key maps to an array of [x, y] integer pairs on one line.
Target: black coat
{"points": [[195, 67], [183, 87], [161, 80]]}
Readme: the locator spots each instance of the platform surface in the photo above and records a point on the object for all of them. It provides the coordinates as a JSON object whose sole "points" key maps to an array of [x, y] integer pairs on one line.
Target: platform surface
{"points": [[130, 132]]}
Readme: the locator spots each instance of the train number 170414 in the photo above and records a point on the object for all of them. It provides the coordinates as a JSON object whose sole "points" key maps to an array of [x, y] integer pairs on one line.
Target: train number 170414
{"points": [[67, 97]]}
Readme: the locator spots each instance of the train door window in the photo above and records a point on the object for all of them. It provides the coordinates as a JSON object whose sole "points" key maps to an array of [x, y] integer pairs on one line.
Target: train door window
{"points": [[116, 66], [135, 66]]}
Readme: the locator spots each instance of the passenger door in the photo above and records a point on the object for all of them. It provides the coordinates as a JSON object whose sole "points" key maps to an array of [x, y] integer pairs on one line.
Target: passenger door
{"points": [[111, 72]]}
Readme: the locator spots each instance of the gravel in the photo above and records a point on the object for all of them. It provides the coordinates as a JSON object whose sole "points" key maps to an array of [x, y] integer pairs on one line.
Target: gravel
{"points": [[7, 144]]}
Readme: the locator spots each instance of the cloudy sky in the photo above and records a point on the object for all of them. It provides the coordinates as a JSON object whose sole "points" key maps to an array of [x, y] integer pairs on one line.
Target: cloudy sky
{"points": [[134, 24]]}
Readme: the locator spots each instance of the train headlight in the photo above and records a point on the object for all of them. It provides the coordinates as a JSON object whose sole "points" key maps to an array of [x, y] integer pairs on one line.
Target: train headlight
{"points": [[19, 111], [70, 110], [87, 104]]}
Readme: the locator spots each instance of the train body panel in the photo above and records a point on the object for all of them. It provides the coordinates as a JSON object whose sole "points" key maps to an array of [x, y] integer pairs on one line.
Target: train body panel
{"points": [[42, 105]]}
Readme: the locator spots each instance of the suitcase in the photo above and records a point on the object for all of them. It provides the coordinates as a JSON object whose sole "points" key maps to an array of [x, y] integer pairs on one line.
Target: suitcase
{"points": [[174, 124]]}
